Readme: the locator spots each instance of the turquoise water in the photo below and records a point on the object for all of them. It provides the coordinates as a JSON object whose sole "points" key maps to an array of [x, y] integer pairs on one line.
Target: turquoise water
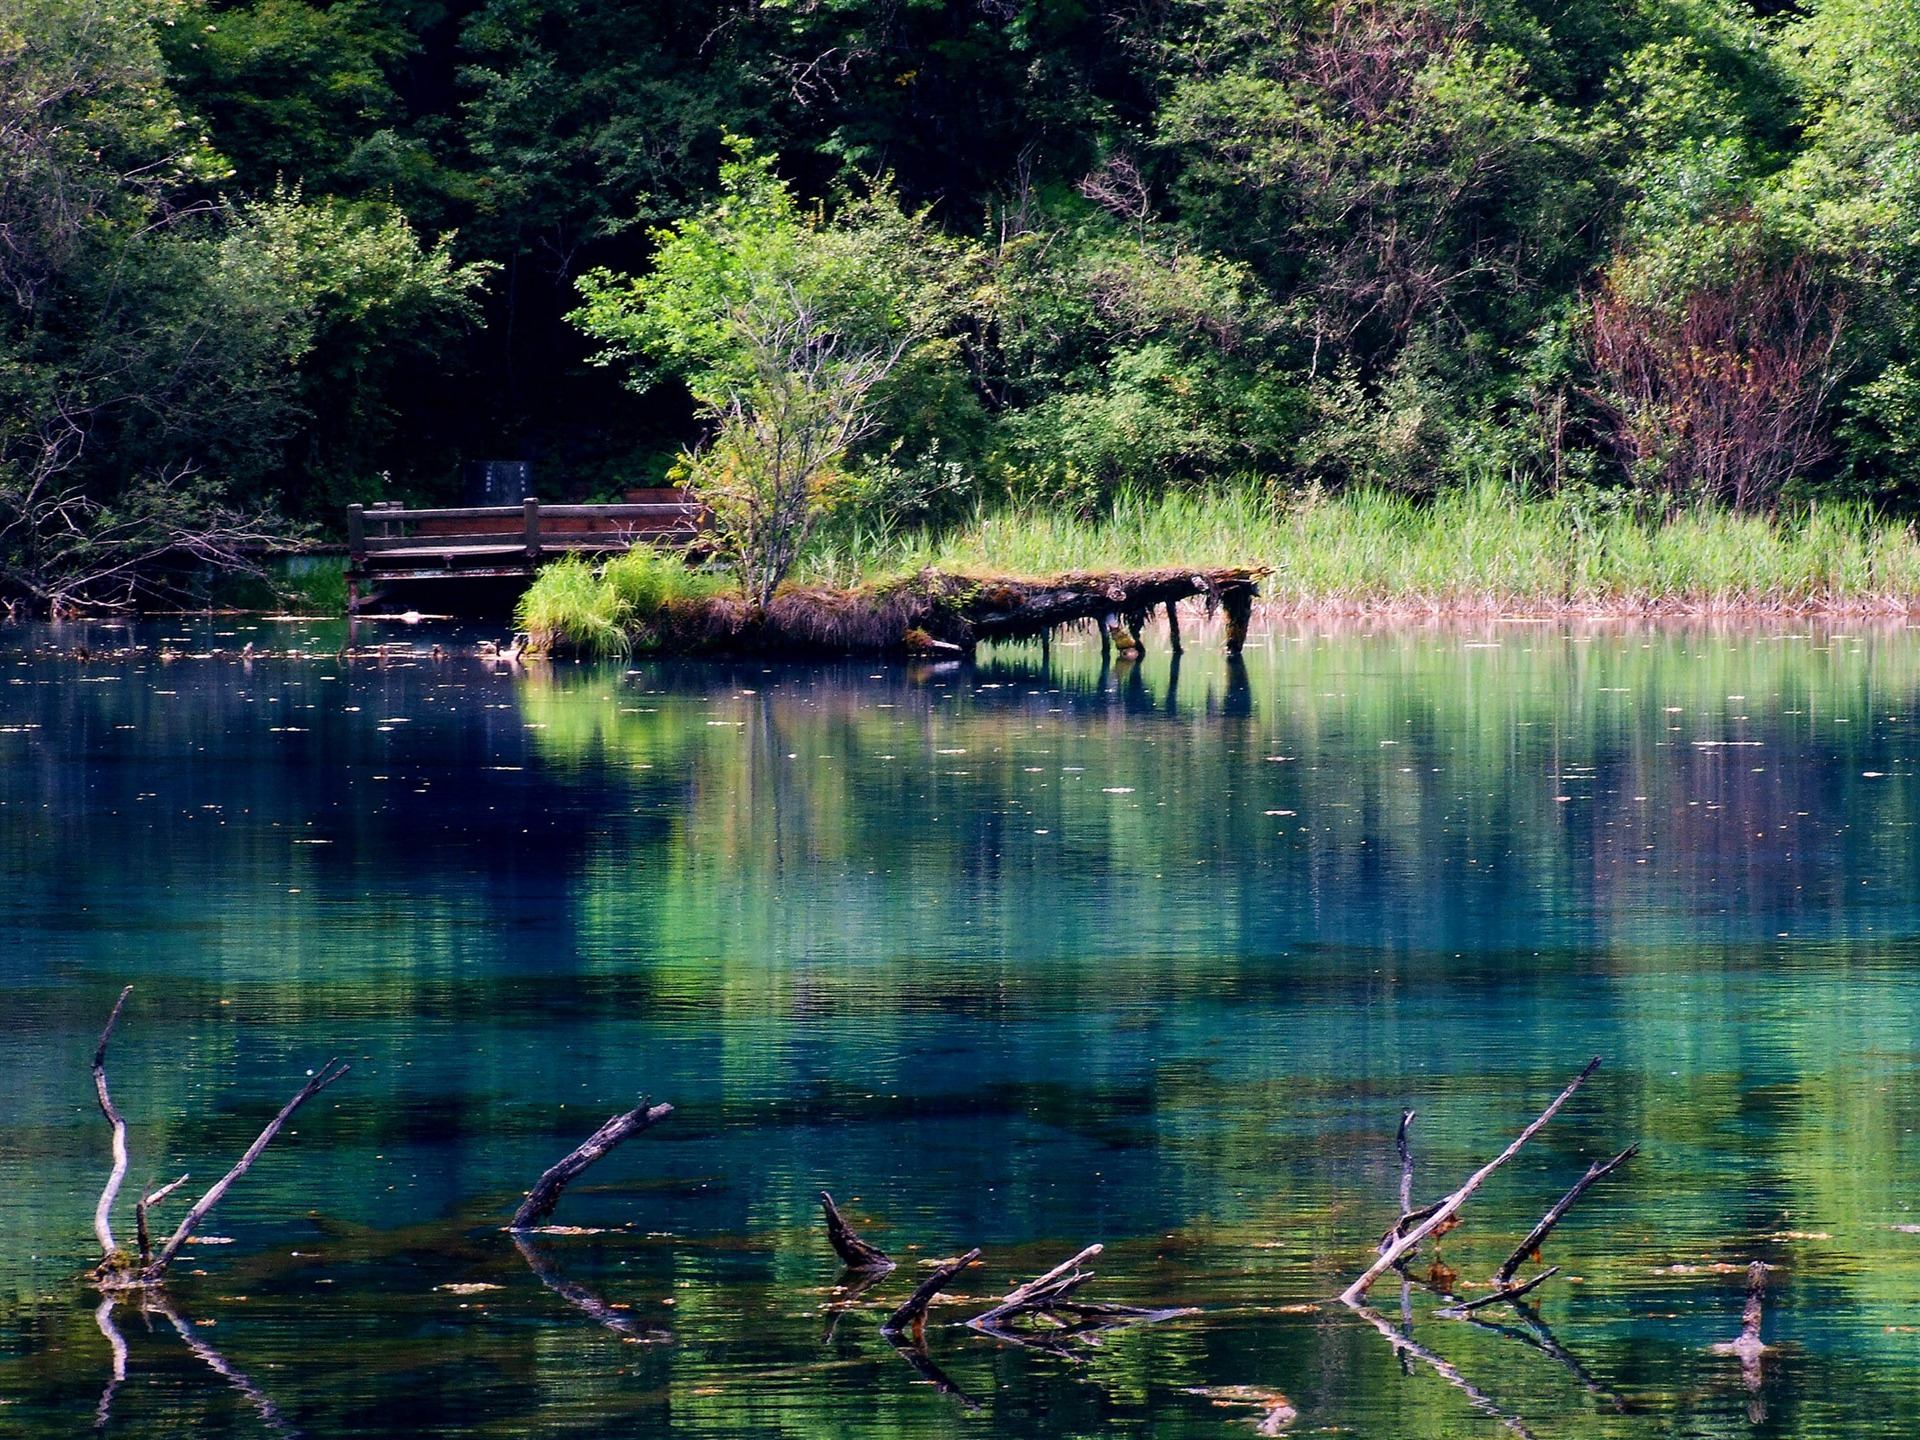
{"points": [[1014, 956]]}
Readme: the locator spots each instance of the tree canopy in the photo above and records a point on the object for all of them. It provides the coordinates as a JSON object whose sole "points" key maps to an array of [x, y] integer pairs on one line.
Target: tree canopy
{"points": [[290, 253]]}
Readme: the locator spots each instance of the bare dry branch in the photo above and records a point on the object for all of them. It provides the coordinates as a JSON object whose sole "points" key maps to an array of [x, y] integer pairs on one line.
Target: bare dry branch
{"points": [[150, 1275], [103, 1210], [1355, 1293], [911, 1317], [1538, 1235], [546, 1192]]}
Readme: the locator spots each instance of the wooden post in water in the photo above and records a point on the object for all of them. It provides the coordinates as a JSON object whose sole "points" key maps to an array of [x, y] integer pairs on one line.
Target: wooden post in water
{"points": [[1238, 605], [1173, 627], [530, 508]]}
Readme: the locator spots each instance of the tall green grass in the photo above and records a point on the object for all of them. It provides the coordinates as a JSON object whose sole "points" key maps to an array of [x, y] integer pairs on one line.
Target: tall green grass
{"points": [[1477, 547], [606, 609]]}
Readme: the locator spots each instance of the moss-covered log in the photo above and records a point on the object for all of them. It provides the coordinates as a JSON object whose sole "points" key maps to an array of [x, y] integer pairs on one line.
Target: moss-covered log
{"points": [[934, 613]]}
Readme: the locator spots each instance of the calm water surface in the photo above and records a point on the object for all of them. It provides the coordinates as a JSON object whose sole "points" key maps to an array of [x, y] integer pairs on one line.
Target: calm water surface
{"points": [[1018, 956]]}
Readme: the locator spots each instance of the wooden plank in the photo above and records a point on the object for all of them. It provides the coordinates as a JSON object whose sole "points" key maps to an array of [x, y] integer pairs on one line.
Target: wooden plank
{"points": [[396, 515]]}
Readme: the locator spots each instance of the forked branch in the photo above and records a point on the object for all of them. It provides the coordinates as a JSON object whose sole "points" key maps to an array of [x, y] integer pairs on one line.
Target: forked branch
{"points": [[1391, 1255]]}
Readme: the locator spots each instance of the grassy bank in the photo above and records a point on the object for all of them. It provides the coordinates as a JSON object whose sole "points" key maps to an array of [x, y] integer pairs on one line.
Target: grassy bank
{"points": [[1469, 552]]}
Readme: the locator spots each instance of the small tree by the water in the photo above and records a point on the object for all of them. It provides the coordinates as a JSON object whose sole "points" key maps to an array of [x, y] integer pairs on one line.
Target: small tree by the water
{"points": [[790, 331]]}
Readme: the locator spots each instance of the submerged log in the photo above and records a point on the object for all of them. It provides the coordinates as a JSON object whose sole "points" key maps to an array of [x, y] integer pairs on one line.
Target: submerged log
{"points": [[911, 1317], [546, 1191], [1355, 1293], [856, 1254]]}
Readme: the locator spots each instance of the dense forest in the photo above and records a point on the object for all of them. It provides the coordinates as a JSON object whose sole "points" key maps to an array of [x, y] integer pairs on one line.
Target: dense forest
{"points": [[261, 258]]}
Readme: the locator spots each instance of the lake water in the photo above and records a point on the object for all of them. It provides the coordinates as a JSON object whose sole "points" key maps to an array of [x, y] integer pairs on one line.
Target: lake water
{"points": [[1014, 956]]}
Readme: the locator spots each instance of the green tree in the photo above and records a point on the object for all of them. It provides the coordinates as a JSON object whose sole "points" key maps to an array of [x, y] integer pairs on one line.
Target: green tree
{"points": [[795, 333]]}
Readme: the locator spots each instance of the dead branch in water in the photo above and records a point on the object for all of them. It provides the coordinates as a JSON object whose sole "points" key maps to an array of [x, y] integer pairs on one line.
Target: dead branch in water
{"points": [[151, 1274], [1749, 1347], [116, 1270], [103, 1210], [546, 1192], [1355, 1293], [911, 1317], [1538, 1235], [1506, 1295], [856, 1254], [1041, 1293], [146, 1203]]}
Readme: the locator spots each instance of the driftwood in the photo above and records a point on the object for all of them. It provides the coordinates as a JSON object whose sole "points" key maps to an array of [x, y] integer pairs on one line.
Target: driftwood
{"points": [[1391, 1256], [911, 1317], [1749, 1346], [117, 1271], [1039, 1294], [546, 1192], [1538, 1235], [856, 1254], [1051, 1295]]}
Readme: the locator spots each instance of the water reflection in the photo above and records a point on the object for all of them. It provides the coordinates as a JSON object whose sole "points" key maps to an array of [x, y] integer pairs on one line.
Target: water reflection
{"points": [[1020, 955]]}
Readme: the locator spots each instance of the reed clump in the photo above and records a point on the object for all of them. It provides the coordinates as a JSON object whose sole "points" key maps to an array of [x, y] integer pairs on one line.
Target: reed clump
{"points": [[627, 604]]}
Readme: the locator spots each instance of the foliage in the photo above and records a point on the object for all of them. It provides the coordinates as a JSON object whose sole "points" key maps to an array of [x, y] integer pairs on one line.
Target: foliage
{"points": [[788, 330], [309, 251], [608, 610]]}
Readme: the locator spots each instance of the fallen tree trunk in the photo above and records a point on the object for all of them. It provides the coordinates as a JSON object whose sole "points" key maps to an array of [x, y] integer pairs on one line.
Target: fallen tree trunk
{"points": [[933, 612]]}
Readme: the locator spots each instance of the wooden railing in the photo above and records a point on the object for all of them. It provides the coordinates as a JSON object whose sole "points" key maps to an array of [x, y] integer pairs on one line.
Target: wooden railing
{"points": [[381, 537]]}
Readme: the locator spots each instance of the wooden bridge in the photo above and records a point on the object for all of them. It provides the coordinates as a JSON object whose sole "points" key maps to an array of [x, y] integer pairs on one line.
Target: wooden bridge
{"points": [[389, 545]]}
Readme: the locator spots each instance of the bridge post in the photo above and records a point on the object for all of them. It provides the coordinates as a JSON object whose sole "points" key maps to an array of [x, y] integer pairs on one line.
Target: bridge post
{"points": [[530, 507], [357, 534]]}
